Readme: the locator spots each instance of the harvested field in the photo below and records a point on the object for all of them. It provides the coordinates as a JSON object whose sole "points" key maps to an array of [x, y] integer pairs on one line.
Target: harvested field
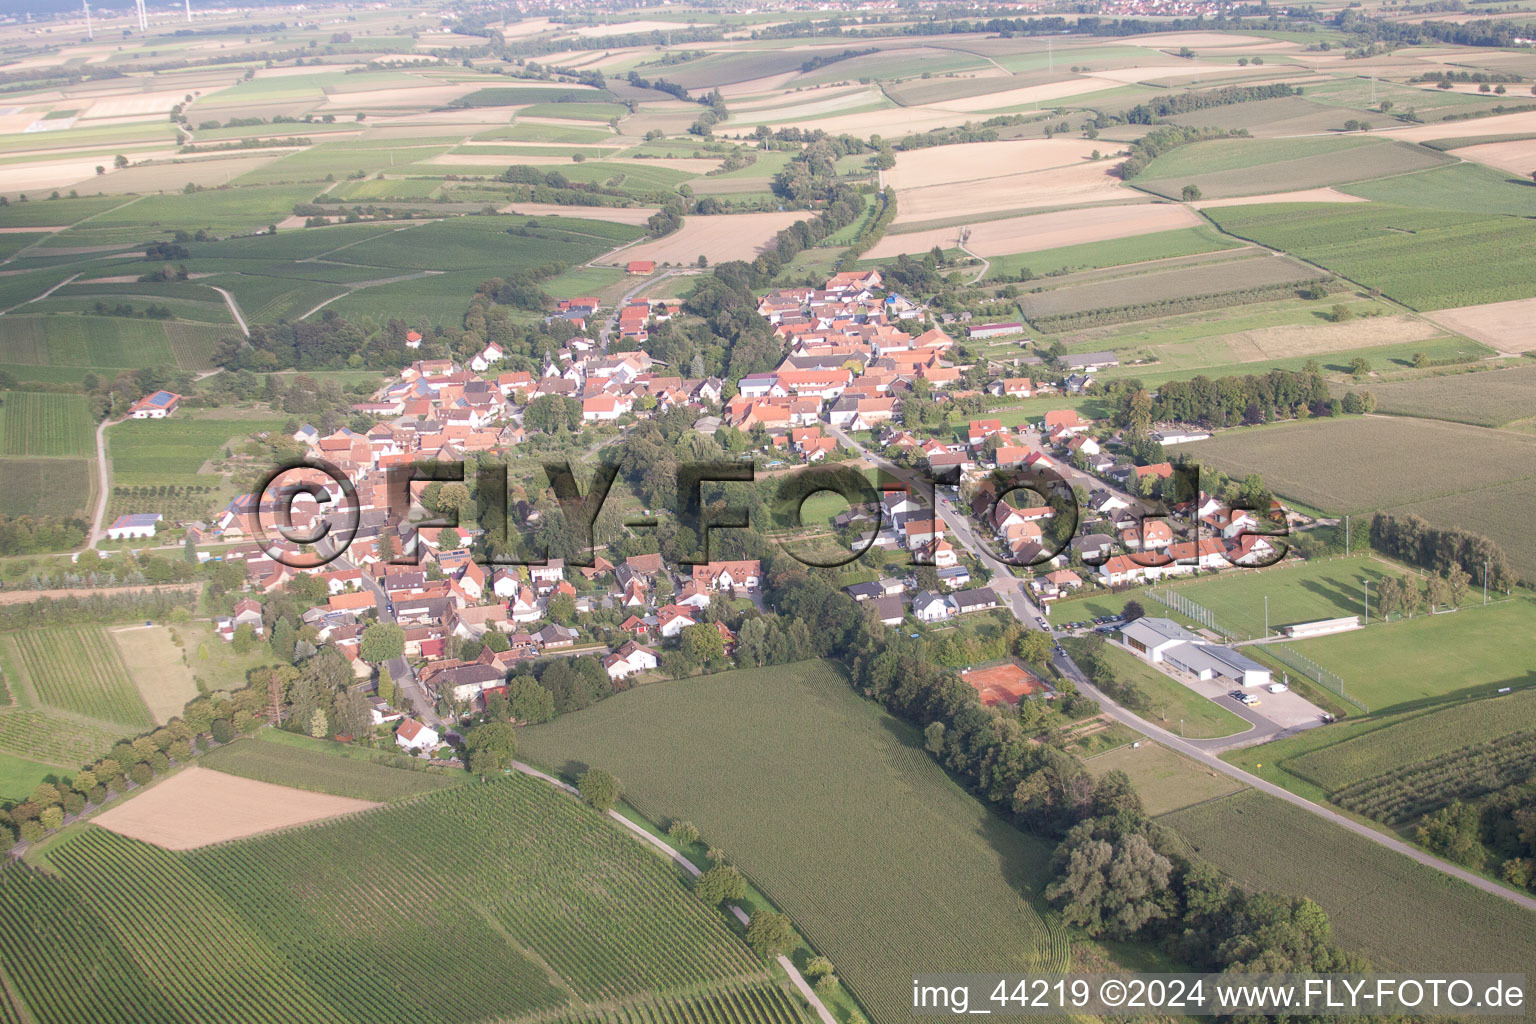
{"points": [[1088, 182], [1506, 326], [1499, 124], [1309, 195], [1515, 157], [729, 237], [1044, 230], [197, 807], [617, 214], [985, 161]]}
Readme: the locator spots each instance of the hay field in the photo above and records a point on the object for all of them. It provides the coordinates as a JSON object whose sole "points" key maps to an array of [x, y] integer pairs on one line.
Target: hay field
{"points": [[728, 237], [1165, 781], [1506, 326], [1044, 230], [198, 807], [1088, 182]]}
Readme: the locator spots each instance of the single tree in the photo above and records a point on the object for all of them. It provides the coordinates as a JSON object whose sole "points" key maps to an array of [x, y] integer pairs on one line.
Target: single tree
{"points": [[683, 833], [1192, 193], [770, 934], [720, 884], [599, 789], [490, 748]]}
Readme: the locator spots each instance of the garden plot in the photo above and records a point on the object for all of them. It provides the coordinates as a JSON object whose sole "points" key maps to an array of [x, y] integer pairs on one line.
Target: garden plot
{"points": [[1044, 230], [197, 807], [717, 239]]}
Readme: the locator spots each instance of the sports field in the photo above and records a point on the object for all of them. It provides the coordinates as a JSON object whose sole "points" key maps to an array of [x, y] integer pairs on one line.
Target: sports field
{"points": [[1296, 591], [834, 810], [1400, 915]]}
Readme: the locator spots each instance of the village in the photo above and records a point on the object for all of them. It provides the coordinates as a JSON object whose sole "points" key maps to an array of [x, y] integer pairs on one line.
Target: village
{"points": [[838, 394]]}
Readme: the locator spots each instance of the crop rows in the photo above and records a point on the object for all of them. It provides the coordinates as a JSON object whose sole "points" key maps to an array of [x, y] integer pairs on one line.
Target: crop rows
{"points": [[891, 864], [744, 1004], [1384, 751], [1418, 789], [80, 670], [53, 738], [45, 424], [488, 901]]}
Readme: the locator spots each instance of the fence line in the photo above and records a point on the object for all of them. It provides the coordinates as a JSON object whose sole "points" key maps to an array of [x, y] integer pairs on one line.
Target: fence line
{"points": [[1312, 670]]}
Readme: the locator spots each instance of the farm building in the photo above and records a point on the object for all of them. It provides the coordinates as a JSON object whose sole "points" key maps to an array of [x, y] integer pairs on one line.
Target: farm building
{"points": [[139, 526], [640, 267], [994, 330], [154, 407], [1088, 362]]}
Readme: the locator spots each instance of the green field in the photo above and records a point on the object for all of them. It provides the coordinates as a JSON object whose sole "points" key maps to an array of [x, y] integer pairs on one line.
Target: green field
{"points": [[1468, 187], [76, 670], [1222, 168], [1248, 269], [171, 451], [1373, 461], [1297, 592], [505, 900], [324, 767], [1159, 245], [834, 810], [1482, 399], [36, 423], [62, 347], [45, 487], [1399, 914], [1165, 781], [1424, 258]]}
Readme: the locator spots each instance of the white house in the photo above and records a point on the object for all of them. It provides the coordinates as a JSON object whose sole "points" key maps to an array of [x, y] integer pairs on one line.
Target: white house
{"points": [[673, 619], [930, 607], [139, 526], [628, 660], [525, 607], [412, 735]]}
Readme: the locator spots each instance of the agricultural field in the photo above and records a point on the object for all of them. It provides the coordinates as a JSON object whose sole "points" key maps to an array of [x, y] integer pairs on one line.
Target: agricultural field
{"points": [[1400, 915], [1426, 259], [498, 866], [162, 452], [851, 863], [1372, 462], [64, 348], [1481, 399], [717, 239], [323, 767], [35, 423], [45, 487], [1118, 252], [76, 670], [158, 666], [1251, 167]]}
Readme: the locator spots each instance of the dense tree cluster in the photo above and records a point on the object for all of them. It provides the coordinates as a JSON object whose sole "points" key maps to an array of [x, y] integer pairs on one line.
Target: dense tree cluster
{"points": [[1437, 548], [1184, 102], [1160, 140], [1224, 401]]}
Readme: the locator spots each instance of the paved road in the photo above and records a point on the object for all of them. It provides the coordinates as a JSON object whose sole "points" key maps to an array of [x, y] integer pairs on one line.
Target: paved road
{"points": [[687, 865], [1025, 611], [400, 670]]}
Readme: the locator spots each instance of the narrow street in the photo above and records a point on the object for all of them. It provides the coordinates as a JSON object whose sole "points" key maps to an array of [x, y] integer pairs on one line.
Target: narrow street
{"points": [[400, 670]]}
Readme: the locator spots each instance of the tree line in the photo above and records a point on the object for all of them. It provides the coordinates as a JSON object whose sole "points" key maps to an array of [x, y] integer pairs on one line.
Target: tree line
{"points": [[1414, 540]]}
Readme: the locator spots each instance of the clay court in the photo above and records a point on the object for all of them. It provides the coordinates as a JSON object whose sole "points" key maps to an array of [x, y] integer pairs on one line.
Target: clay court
{"points": [[718, 239], [1045, 230], [1003, 684], [198, 807]]}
